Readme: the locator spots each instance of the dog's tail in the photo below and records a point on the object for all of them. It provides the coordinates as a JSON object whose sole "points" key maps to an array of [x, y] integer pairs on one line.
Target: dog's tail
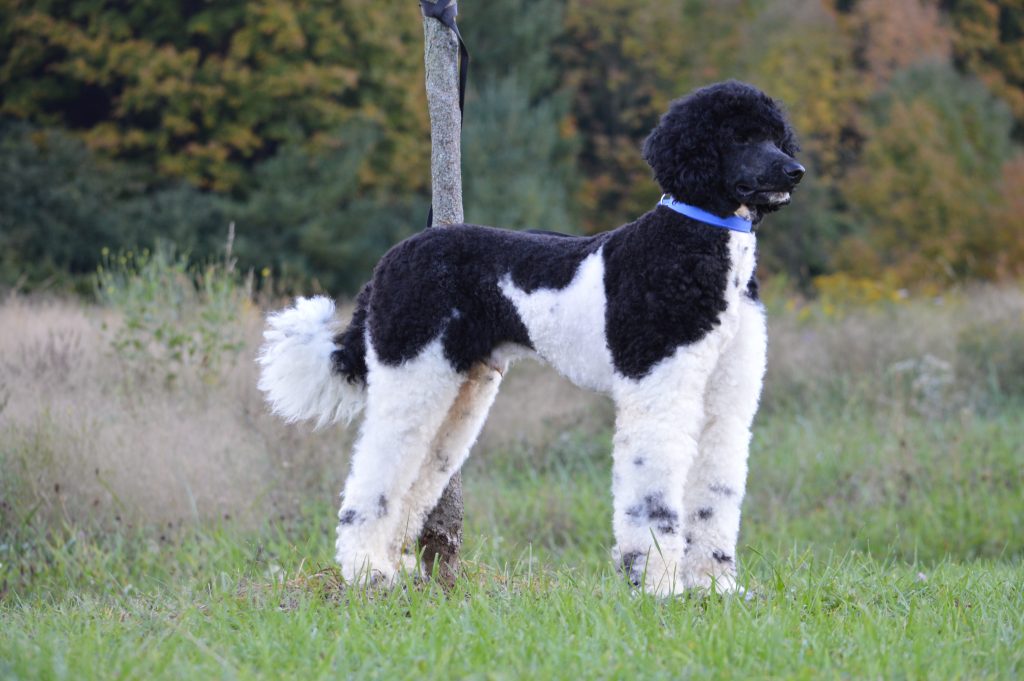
{"points": [[299, 373]]}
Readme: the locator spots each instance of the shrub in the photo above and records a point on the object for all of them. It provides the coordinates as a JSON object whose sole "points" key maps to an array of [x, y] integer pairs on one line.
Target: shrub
{"points": [[174, 315]]}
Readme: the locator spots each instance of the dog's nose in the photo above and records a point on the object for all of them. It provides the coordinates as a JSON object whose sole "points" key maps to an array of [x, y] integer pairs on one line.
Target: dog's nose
{"points": [[794, 171]]}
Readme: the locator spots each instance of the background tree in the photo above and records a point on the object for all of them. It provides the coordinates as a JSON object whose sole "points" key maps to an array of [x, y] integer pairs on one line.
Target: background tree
{"points": [[203, 90], [988, 41], [300, 121], [519, 151], [929, 184]]}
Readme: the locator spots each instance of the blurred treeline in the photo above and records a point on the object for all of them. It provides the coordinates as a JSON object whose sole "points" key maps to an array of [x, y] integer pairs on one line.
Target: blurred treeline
{"points": [[304, 123]]}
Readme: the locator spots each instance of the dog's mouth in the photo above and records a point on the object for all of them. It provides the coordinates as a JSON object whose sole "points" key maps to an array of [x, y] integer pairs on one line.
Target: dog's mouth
{"points": [[763, 197]]}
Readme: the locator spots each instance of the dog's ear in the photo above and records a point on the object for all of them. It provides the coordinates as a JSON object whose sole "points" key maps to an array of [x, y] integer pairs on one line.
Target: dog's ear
{"points": [[684, 157]]}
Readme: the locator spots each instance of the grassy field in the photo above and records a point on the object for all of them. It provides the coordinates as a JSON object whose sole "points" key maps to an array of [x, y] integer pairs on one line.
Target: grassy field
{"points": [[883, 532]]}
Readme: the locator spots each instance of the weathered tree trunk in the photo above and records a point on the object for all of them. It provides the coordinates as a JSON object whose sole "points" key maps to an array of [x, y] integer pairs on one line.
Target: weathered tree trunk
{"points": [[441, 538]]}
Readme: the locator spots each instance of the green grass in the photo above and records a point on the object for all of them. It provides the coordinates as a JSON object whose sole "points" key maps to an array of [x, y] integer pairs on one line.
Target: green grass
{"points": [[875, 546]]}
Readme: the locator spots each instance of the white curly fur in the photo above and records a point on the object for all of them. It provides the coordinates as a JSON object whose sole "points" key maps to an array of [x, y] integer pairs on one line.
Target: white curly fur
{"points": [[296, 366]]}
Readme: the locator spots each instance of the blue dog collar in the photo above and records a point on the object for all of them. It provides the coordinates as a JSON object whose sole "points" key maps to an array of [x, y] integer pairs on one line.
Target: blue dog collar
{"points": [[733, 222]]}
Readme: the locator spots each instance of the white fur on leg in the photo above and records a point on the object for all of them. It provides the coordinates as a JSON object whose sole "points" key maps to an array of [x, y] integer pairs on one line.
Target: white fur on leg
{"points": [[717, 481], [405, 407], [451, 447], [295, 361], [657, 424]]}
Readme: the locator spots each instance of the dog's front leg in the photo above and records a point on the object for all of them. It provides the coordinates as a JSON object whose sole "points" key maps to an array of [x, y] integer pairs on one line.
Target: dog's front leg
{"points": [[657, 426], [715, 487]]}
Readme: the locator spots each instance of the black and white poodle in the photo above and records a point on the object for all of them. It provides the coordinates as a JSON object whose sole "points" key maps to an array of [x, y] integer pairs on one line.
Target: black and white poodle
{"points": [[662, 314]]}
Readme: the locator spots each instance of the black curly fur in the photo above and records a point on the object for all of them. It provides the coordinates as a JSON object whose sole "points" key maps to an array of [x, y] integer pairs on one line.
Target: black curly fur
{"points": [[687, 149], [349, 360], [666, 275]]}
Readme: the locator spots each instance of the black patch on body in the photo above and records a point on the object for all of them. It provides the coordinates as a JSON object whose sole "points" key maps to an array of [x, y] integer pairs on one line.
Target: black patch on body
{"points": [[705, 513], [382, 506], [446, 281], [721, 556], [665, 282], [349, 357]]}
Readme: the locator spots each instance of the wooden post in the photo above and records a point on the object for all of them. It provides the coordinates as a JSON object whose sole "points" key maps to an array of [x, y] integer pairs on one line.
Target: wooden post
{"points": [[441, 538]]}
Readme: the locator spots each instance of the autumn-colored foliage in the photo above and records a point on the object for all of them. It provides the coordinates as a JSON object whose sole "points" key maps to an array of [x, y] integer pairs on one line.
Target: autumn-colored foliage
{"points": [[305, 123], [202, 91]]}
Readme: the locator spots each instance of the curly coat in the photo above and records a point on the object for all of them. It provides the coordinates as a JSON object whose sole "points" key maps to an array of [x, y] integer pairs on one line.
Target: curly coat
{"points": [[661, 314]]}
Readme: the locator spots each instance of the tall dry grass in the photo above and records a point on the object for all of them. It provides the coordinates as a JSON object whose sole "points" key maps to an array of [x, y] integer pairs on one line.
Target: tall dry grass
{"points": [[89, 435], [86, 435]]}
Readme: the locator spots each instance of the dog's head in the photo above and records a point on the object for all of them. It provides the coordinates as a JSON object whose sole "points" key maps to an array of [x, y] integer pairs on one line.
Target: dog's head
{"points": [[724, 147]]}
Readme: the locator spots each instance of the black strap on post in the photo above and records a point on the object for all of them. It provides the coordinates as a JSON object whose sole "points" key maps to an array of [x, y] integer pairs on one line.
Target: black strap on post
{"points": [[445, 12]]}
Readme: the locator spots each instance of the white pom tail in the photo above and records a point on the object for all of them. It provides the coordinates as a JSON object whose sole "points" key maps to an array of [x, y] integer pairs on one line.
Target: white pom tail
{"points": [[296, 373]]}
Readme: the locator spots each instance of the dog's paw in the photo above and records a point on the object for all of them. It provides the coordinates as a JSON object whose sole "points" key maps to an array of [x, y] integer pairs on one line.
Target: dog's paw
{"points": [[363, 570], [720, 584], [410, 565]]}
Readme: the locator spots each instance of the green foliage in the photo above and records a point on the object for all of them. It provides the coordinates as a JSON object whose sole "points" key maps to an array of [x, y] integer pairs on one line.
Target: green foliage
{"points": [[305, 123], [201, 90], [518, 155], [928, 186], [620, 85], [61, 204], [306, 217], [988, 41], [175, 317]]}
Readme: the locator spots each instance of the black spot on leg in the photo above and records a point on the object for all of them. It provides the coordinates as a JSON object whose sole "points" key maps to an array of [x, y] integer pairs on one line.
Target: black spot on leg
{"points": [[723, 490], [689, 541], [630, 560], [664, 518], [382, 506], [632, 567], [654, 510], [638, 461], [657, 509], [349, 517], [705, 513], [736, 281], [721, 556]]}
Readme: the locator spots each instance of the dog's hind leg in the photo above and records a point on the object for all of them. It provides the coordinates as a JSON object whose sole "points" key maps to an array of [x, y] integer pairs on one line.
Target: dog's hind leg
{"points": [[405, 407], [450, 448], [657, 425], [716, 484]]}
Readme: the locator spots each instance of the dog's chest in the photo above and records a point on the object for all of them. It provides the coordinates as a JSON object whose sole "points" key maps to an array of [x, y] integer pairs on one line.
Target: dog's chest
{"points": [[743, 259], [742, 263]]}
